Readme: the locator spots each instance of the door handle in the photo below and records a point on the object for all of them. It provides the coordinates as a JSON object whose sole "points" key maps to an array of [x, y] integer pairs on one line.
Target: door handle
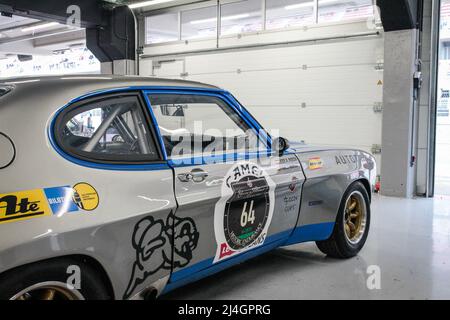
{"points": [[196, 175]]}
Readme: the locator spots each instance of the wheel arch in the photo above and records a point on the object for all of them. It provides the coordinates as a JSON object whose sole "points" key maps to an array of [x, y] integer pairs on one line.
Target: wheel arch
{"points": [[81, 258], [366, 185]]}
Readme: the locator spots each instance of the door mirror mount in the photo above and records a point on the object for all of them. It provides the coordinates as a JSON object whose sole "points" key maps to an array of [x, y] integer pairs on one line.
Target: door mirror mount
{"points": [[280, 145]]}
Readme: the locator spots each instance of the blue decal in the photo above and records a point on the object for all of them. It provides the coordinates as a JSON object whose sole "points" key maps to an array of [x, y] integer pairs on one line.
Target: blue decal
{"points": [[60, 200]]}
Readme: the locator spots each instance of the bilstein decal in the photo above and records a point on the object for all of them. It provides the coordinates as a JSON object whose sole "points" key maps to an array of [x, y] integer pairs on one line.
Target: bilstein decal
{"points": [[315, 163], [23, 205], [153, 241], [244, 213], [60, 200]]}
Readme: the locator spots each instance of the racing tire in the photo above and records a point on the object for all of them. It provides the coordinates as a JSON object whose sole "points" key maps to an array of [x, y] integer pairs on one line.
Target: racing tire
{"points": [[352, 225], [47, 280]]}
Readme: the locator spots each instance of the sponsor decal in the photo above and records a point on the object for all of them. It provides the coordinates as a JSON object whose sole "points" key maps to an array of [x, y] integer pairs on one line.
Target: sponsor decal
{"points": [[315, 163], [315, 203], [289, 164], [23, 205], [290, 203], [153, 240], [346, 159], [60, 200], [244, 213], [293, 185], [85, 196]]}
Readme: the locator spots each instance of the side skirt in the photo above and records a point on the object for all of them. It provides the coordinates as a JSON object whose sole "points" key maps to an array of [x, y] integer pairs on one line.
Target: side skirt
{"points": [[206, 268]]}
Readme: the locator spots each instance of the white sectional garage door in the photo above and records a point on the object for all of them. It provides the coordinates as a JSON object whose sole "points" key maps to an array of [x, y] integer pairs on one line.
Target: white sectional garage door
{"points": [[321, 93]]}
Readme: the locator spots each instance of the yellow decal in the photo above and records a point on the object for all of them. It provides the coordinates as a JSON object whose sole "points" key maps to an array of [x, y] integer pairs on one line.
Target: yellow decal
{"points": [[85, 196], [315, 163], [23, 205]]}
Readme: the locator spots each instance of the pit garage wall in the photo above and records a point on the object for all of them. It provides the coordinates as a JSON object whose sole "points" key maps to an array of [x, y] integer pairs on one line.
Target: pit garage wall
{"points": [[322, 92]]}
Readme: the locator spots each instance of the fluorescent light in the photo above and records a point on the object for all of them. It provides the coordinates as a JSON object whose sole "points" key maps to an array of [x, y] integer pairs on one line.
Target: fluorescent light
{"points": [[40, 26], [204, 21], [239, 16], [235, 17], [300, 5], [147, 3], [310, 4]]}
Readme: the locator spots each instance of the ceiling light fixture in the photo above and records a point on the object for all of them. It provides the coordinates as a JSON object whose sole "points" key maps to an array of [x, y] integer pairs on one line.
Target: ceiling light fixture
{"points": [[236, 17], [147, 3], [310, 4], [40, 26]]}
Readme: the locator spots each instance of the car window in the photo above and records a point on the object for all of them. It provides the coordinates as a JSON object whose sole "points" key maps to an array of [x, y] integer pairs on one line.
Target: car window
{"points": [[200, 125], [111, 129]]}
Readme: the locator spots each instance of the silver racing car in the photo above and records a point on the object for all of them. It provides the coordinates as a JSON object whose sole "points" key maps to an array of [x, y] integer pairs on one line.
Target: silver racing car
{"points": [[128, 188]]}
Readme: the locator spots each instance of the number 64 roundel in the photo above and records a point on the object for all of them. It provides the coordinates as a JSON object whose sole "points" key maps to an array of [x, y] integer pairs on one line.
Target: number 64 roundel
{"points": [[244, 212]]}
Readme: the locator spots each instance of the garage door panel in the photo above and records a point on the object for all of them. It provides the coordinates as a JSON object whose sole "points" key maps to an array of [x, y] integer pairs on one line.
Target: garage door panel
{"points": [[320, 93], [322, 86], [325, 125], [354, 52]]}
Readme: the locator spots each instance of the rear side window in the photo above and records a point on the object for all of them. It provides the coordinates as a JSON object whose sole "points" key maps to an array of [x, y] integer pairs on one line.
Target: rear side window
{"points": [[113, 129]]}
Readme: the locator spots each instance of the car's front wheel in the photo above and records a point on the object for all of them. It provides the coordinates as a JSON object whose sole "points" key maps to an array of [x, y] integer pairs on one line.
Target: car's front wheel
{"points": [[352, 224], [58, 279]]}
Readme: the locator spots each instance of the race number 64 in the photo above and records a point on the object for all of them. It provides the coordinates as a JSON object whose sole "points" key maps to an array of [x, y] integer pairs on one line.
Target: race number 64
{"points": [[247, 216]]}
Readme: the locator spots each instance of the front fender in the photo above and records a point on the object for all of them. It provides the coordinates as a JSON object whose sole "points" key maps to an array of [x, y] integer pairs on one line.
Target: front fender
{"points": [[329, 173]]}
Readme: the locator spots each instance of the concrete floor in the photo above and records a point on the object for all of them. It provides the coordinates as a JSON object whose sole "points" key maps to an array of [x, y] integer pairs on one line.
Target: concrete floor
{"points": [[409, 240]]}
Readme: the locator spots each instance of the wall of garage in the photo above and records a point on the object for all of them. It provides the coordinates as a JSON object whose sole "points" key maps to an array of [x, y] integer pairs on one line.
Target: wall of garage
{"points": [[318, 84]]}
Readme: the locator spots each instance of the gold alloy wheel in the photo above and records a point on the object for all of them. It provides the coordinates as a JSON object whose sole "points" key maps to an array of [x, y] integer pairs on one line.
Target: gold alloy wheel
{"points": [[48, 291], [355, 217]]}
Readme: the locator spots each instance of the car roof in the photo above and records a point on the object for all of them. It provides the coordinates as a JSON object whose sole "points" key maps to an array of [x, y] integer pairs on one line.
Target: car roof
{"points": [[98, 82]]}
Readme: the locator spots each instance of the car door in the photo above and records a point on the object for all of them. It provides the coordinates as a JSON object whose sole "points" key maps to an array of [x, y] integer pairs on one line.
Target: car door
{"points": [[233, 195]]}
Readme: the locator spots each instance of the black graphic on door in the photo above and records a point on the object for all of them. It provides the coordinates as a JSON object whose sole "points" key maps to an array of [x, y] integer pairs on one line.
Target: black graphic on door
{"points": [[153, 241]]}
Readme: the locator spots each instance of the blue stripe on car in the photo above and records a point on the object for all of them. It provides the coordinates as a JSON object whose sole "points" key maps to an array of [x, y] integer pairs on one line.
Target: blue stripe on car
{"points": [[205, 268]]}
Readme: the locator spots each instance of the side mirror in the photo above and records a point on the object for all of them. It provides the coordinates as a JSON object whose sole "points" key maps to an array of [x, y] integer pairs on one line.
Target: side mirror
{"points": [[172, 110], [280, 145]]}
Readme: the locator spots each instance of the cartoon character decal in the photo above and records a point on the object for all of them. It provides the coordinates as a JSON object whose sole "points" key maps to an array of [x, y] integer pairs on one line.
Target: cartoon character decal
{"points": [[153, 241]]}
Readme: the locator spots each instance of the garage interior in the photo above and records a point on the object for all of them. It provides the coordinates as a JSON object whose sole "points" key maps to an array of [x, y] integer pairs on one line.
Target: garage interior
{"points": [[371, 75]]}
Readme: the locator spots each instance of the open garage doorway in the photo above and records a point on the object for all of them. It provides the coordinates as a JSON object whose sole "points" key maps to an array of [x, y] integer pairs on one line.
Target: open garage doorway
{"points": [[442, 175]]}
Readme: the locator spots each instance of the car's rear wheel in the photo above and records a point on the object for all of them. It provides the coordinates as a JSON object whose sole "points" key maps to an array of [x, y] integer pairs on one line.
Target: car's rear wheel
{"points": [[352, 224], [51, 280]]}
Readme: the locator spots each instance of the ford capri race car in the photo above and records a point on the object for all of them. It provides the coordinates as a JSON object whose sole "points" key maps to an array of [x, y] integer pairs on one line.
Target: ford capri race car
{"points": [[128, 188]]}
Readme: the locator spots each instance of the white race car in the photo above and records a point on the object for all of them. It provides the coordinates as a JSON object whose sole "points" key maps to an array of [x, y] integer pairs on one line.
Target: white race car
{"points": [[127, 188]]}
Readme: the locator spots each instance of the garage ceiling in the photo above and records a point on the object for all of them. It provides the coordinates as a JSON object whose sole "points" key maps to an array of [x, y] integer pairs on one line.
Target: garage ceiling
{"points": [[22, 35]]}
